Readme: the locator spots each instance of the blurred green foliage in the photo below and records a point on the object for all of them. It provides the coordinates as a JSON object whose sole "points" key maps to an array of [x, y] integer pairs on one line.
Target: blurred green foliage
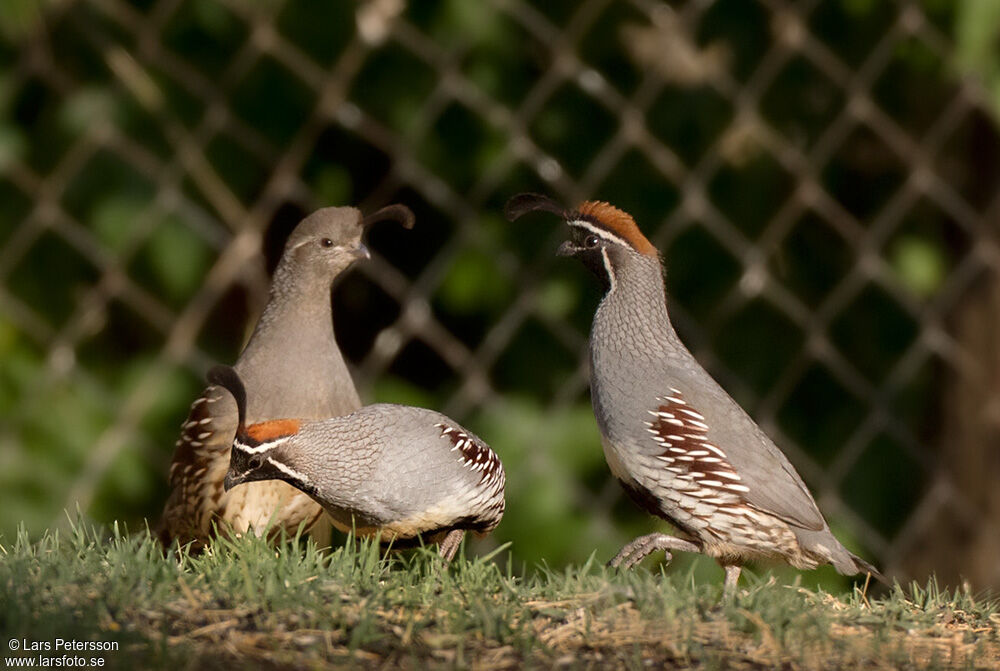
{"points": [[73, 357], [976, 40]]}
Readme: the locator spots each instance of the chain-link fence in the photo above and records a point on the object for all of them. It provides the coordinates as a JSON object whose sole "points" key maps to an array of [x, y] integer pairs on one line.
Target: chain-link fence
{"points": [[820, 177]]}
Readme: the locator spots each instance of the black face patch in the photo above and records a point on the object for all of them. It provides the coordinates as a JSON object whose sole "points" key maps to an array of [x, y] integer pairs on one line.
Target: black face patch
{"points": [[590, 249], [593, 259]]}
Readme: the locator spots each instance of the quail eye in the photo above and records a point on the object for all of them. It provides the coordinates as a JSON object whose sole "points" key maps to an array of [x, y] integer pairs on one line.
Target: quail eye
{"points": [[326, 242], [255, 462], [590, 241]]}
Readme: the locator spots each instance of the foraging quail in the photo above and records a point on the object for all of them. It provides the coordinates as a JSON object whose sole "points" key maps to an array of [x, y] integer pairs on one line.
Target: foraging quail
{"points": [[677, 442], [294, 368], [392, 471]]}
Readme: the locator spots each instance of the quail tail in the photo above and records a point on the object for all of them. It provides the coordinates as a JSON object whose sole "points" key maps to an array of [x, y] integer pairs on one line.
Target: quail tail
{"points": [[848, 563], [861, 566]]}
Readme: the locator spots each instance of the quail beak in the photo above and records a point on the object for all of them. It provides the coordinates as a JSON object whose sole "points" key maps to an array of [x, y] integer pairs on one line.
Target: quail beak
{"points": [[567, 249], [361, 252], [231, 481]]}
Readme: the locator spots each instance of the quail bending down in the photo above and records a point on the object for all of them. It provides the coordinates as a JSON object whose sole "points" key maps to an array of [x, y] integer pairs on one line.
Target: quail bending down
{"points": [[293, 367], [391, 471], [678, 443]]}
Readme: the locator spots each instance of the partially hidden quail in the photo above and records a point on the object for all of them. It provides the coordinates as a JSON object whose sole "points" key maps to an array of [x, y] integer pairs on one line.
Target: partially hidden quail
{"points": [[294, 368], [681, 447], [398, 473]]}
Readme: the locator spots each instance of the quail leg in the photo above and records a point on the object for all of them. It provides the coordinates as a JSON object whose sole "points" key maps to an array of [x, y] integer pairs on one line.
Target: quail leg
{"points": [[732, 576], [643, 546], [449, 545]]}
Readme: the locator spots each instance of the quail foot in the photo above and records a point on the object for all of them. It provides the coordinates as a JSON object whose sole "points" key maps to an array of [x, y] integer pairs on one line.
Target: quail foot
{"points": [[398, 473], [677, 442], [293, 367]]}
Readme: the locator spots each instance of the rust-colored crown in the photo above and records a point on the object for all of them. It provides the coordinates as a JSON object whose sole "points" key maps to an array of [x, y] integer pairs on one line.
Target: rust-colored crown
{"points": [[617, 222], [263, 432]]}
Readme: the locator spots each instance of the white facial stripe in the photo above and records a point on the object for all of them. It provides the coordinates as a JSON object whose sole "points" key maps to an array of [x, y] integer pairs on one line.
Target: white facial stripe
{"points": [[287, 471], [308, 241], [607, 267], [263, 447], [599, 232]]}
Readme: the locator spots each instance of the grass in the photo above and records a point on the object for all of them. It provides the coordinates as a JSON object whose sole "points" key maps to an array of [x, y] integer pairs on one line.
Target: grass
{"points": [[247, 604]]}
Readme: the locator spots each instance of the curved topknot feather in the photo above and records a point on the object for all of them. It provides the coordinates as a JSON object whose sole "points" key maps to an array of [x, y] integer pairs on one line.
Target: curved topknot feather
{"points": [[523, 203], [401, 214]]}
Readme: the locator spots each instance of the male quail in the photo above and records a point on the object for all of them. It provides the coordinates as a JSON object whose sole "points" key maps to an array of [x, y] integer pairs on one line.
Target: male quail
{"points": [[293, 366], [391, 471], [676, 441]]}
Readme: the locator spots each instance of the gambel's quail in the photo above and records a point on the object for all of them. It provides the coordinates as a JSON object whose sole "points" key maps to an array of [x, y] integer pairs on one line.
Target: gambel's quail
{"points": [[392, 471], [294, 368], [676, 441]]}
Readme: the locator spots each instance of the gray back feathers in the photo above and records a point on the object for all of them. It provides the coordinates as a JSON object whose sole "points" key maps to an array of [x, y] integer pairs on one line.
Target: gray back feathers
{"points": [[385, 464]]}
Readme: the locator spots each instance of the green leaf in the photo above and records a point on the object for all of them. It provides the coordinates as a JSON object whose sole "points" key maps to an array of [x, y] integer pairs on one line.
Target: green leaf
{"points": [[178, 258], [115, 217], [87, 108], [473, 282], [976, 50], [919, 264], [557, 298], [333, 185], [12, 145], [394, 390]]}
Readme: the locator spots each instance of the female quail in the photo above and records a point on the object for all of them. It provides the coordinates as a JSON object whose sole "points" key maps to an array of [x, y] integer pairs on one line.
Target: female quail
{"points": [[294, 368], [396, 472], [676, 441]]}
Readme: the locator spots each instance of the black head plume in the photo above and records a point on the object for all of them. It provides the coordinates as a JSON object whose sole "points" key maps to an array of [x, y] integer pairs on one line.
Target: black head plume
{"points": [[401, 214], [227, 377], [523, 203]]}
